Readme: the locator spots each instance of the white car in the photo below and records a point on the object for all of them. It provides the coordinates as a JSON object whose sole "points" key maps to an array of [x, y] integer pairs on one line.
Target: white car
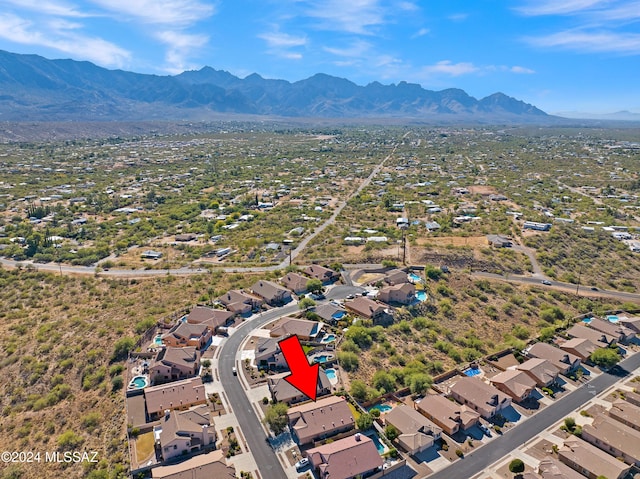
{"points": [[234, 371], [301, 464]]}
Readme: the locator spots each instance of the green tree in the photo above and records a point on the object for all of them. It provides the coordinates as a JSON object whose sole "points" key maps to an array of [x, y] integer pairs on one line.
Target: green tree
{"points": [[364, 422], [605, 357], [384, 381], [276, 417], [516, 466], [122, 347], [391, 432], [306, 303], [359, 390], [419, 383], [314, 286], [547, 334], [348, 361]]}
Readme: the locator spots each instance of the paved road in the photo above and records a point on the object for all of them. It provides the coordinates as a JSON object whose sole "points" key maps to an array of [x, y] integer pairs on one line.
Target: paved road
{"points": [[266, 458], [497, 449]]}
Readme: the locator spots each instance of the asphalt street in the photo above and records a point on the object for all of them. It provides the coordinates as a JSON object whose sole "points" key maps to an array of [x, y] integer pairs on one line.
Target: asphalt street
{"points": [[497, 449]]}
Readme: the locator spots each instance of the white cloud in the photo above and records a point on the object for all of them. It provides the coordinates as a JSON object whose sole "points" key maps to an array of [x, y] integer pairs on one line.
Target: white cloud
{"points": [[408, 6], [583, 41], [177, 13], [453, 69], [558, 7], [179, 45], [521, 70], [421, 33], [62, 36], [283, 40], [458, 17], [49, 7], [357, 49], [354, 16]]}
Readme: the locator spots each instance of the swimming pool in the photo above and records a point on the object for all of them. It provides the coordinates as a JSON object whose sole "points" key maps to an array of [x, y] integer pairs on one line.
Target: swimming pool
{"points": [[329, 338], [158, 340], [338, 314], [472, 371], [586, 320], [331, 373], [376, 441], [323, 358], [613, 318], [421, 295], [381, 407], [415, 278], [138, 382]]}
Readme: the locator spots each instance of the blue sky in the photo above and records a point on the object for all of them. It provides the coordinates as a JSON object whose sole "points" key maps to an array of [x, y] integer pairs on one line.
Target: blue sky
{"points": [[560, 55]]}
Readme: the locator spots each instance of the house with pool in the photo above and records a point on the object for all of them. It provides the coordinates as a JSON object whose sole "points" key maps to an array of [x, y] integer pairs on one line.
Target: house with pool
{"points": [[566, 363], [369, 309], [268, 355], [172, 364], [330, 312], [325, 275], [404, 293], [612, 327], [178, 395], [600, 339], [211, 318], [185, 334], [318, 420], [417, 433], [305, 329]]}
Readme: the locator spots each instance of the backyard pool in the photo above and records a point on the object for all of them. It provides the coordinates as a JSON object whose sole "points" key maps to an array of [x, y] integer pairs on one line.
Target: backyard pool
{"points": [[415, 278], [613, 318], [139, 382], [376, 441], [329, 338], [381, 407], [421, 295], [338, 314], [472, 371], [586, 320], [322, 358], [158, 340]]}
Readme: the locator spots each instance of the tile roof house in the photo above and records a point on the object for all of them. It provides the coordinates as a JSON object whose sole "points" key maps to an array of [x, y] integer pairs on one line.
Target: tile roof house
{"points": [[590, 461], [597, 337], [185, 432], [176, 395], [617, 330], [324, 418], [172, 364], [212, 318], [404, 293], [204, 466], [480, 396], [447, 414], [369, 309], [396, 276], [271, 293], [240, 302], [295, 282], [305, 330], [565, 362], [549, 468], [417, 433], [517, 384], [580, 347], [631, 322], [613, 437], [282, 391], [540, 370], [626, 413], [325, 275], [268, 354], [351, 457], [185, 334], [330, 312]]}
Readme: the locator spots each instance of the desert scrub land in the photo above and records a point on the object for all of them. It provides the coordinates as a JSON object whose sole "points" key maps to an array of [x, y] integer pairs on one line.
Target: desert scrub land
{"points": [[466, 319], [62, 350]]}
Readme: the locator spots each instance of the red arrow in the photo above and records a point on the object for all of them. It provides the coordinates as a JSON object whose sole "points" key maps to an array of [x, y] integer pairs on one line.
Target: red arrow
{"points": [[303, 377]]}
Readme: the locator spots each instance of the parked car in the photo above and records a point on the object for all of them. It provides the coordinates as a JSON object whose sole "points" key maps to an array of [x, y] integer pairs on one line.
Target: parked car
{"points": [[350, 296], [546, 282], [485, 429], [301, 464]]}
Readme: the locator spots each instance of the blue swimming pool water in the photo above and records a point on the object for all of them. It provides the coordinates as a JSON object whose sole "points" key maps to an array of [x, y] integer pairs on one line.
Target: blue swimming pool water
{"points": [[329, 338], [378, 444], [321, 359], [414, 277], [421, 295], [381, 407], [138, 382], [158, 340], [586, 320], [331, 373], [613, 318], [472, 371], [338, 314]]}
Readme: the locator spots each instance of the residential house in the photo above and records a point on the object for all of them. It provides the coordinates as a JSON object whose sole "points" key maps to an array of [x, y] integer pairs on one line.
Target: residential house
{"points": [[550, 468], [240, 302], [212, 318], [330, 312], [325, 275], [565, 362], [617, 330], [282, 391], [633, 323], [447, 414], [633, 398], [590, 461], [368, 309], [318, 420], [268, 354], [305, 330], [404, 293], [600, 339], [480, 396], [295, 282], [271, 292], [614, 437], [396, 276], [172, 364], [178, 395], [185, 334], [517, 384], [626, 413], [580, 347], [185, 237], [351, 457], [185, 432], [499, 241], [540, 370], [204, 466], [417, 433]]}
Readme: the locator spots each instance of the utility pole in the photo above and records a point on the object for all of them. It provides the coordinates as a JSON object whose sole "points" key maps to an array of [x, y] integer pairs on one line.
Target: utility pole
{"points": [[579, 276]]}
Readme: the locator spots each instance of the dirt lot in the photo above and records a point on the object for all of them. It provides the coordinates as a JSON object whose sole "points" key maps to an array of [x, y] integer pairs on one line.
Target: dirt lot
{"points": [[482, 190], [473, 241]]}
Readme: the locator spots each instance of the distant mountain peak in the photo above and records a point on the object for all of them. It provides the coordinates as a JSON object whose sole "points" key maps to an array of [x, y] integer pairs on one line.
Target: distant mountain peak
{"points": [[34, 88]]}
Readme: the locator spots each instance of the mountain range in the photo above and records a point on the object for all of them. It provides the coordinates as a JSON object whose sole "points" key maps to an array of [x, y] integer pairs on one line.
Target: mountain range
{"points": [[33, 88]]}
